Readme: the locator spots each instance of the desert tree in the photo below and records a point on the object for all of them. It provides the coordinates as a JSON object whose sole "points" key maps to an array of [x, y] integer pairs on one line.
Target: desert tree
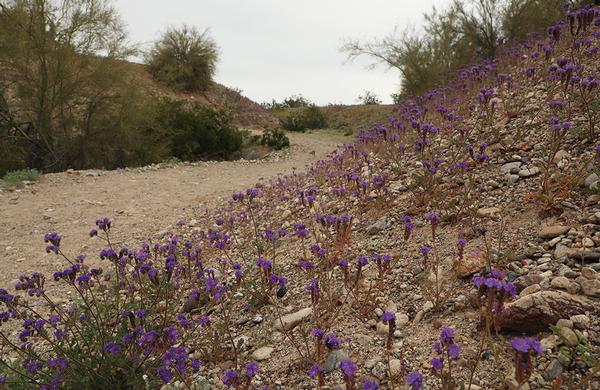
{"points": [[184, 58], [63, 87]]}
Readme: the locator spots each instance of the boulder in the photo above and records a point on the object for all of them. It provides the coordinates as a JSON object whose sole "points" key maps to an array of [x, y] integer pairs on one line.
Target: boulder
{"points": [[533, 313]]}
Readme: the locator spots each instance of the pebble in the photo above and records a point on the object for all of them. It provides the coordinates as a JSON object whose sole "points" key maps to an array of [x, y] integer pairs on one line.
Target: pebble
{"points": [[591, 287], [552, 231], [589, 273], [334, 359], [581, 321], [569, 337], [529, 172], [560, 282], [564, 323], [262, 353]]}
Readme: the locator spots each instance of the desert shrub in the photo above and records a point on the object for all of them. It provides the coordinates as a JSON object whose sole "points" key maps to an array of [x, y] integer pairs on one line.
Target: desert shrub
{"points": [[368, 98], [195, 132], [184, 58], [275, 138], [309, 117], [73, 52], [294, 101], [14, 177]]}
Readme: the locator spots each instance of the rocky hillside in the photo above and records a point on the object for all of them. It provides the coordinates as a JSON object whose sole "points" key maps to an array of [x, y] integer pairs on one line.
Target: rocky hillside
{"points": [[454, 245], [246, 113]]}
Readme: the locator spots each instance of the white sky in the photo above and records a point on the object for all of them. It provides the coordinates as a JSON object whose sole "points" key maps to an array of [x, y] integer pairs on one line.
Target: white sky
{"points": [[277, 48]]}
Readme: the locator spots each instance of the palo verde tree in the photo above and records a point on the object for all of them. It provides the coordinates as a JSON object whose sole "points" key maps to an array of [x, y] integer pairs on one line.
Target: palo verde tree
{"points": [[454, 37], [64, 94], [184, 58]]}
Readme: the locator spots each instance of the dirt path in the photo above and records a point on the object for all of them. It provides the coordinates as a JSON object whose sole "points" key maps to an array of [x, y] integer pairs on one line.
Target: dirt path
{"points": [[140, 201]]}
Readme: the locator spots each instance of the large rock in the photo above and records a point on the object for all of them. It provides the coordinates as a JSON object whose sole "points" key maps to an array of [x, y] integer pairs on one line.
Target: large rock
{"points": [[552, 231], [533, 313], [290, 321]]}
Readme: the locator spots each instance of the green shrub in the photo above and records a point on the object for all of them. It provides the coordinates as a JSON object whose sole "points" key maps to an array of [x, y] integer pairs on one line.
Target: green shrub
{"points": [[15, 177], [275, 138], [309, 117], [184, 58], [195, 132]]}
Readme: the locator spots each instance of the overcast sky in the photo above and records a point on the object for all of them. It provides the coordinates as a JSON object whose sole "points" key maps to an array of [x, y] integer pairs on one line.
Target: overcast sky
{"points": [[277, 48]]}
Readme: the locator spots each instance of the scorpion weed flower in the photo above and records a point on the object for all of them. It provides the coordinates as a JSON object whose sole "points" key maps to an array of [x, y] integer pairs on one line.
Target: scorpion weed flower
{"points": [[388, 317], [251, 370], [315, 370], [332, 341], [524, 347], [230, 378], [348, 369], [370, 385], [437, 364], [415, 380]]}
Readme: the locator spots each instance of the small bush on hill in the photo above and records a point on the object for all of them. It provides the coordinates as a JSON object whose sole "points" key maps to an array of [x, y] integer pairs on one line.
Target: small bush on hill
{"points": [[309, 117], [184, 58], [368, 98], [294, 101]]}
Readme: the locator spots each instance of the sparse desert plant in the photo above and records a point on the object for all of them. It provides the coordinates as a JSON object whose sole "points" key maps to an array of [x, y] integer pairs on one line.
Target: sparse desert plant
{"points": [[15, 177]]}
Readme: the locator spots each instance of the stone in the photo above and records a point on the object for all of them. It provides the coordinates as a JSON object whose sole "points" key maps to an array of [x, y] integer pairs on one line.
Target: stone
{"points": [[382, 329], [334, 359], [401, 320], [591, 287], [574, 288], [551, 231], [562, 251], [549, 342], [530, 290], [587, 242], [262, 353], [560, 282], [589, 273], [290, 321], [427, 306], [568, 336], [560, 155], [584, 255], [564, 323], [379, 370], [510, 167], [581, 321], [488, 212], [591, 180], [395, 367], [529, 172], [527, 280], [377, 227], [553, 370], [533, 313], [471, 263], [512, 179]]}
